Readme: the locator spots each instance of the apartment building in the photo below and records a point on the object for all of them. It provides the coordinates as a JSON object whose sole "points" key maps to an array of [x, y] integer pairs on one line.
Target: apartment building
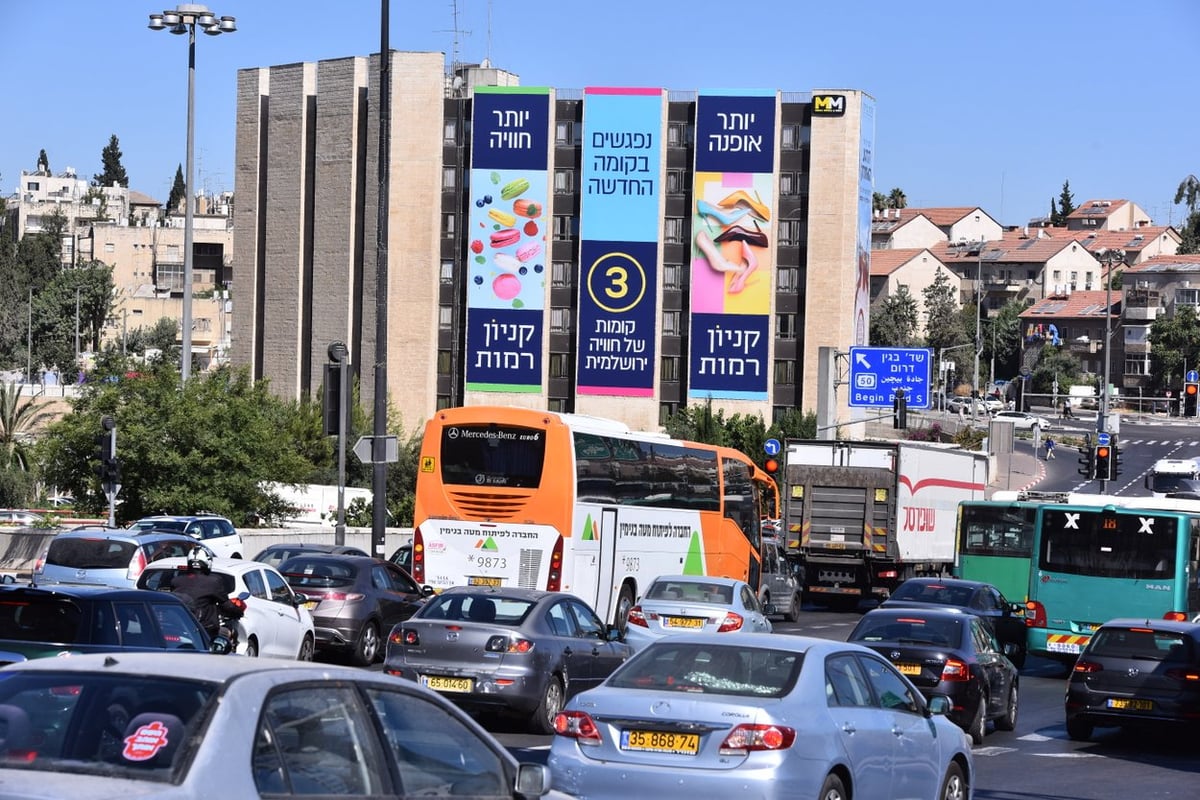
{"points": [[621, 252]]}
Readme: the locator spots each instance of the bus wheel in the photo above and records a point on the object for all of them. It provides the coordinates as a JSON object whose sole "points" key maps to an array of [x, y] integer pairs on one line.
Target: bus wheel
{"points": [[624, 603]]}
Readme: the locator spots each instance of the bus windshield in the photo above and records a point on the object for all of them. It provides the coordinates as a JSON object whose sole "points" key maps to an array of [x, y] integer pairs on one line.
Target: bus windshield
{"points": [[997, 530], [1111, 546], [493, 455]]}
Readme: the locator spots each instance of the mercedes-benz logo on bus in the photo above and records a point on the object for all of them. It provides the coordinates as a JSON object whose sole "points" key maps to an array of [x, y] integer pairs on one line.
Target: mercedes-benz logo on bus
{"points": [[452, 433]]}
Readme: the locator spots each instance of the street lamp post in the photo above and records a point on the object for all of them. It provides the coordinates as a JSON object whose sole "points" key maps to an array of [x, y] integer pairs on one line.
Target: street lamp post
{"points": [[1109, 257], [184, 19], [977, 394]]}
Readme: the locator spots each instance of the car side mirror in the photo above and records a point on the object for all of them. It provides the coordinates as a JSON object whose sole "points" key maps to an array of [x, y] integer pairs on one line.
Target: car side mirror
{"points": [[220, 645], [298, 599], [612, 633], [533, 780], [939, 704], [768, 609], [1017, 609], [428, 591]]}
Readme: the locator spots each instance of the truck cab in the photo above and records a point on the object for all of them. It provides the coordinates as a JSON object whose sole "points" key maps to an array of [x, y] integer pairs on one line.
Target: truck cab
{"points": [[778, 584], [1173, 475]]}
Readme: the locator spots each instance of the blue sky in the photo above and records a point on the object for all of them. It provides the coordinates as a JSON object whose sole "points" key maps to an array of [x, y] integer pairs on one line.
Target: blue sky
{"points": [[989, 104]]}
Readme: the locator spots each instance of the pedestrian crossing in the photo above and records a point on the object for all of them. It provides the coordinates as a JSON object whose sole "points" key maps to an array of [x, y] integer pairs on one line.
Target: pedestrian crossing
{"points": [[1161, 442]]}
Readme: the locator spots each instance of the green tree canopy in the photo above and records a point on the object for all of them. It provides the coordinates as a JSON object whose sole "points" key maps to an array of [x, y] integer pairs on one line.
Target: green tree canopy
{"points": [[895, 320], [1066, 205], [1002, 339], [1174, 347], [19, 418], [943, 328], [178, 192], [1189, 194], [897, 198], [43, 162], [1054, 363], [90, 289], [112, 170]]}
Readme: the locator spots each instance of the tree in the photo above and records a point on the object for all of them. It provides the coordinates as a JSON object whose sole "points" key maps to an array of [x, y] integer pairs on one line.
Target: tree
{"points": [[1054, 364], [110, 161], [895, 320], [1066, 205], [160, 336], [43, 163], [208, 445], [178, 192], [1174, 342], [1002, 338], [897, 198], [88, 289], [878, 201], [18, 421], [943, 328], [1189, 193]]}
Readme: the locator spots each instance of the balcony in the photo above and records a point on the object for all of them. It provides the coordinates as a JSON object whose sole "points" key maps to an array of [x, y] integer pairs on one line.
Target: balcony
{"points": [[1137, 348]]}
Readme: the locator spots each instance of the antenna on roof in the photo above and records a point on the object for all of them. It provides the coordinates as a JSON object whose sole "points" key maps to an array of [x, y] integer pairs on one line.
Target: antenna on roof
{"points": [[458, 32]]}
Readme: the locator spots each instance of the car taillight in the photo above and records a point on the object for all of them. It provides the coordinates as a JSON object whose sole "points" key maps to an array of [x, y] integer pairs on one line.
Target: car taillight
{"points": [[404, 636], [636, 617], [955, 670], [1087, 667], [418, 557], [1177, 616], [554, 579], [1035, 614], [40, 564], [1185, 675], [577, 725], [745, 738], [345, 597], [732, 622], [505, 644], [138, 565]]}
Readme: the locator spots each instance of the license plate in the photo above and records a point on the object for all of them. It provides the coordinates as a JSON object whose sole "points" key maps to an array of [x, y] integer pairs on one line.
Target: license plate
{"points": [[443, 684], [1064, 647], [480, 580], [1129, 705], [909, 669], [311, 604], [684, 622], [685, 744]]}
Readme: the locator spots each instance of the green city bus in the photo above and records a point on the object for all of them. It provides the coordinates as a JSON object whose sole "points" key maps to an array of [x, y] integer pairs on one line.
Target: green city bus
{"points": [[995, 543]]}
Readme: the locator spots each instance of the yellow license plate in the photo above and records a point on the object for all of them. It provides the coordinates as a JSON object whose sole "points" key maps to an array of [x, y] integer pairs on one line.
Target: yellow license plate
{"points": [[683, 622], [909, 669], [443, 684], [311, 604], [479, 580], [687, 744], [1131, 705]]}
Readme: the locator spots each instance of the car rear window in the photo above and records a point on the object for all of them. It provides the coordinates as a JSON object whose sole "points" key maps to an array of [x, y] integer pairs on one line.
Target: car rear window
{"points": [[308, 573], [1141, 643], [87, 553], [934, 593], [908, 630], [710, 669], [160, 579], [478, 608], [693, 591], [39, 619], [160, 524]]}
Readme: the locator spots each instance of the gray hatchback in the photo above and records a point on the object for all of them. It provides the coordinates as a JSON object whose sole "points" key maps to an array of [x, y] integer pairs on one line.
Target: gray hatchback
{"points": [[107, 556]]}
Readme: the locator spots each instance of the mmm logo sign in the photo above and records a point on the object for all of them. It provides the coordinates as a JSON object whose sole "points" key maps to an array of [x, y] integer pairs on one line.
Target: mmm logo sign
{"points": [[829, 105]]}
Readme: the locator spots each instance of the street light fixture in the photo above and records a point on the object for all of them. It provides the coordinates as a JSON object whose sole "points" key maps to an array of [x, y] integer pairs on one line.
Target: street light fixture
{"points": [[181, 20], [1109, 257]]}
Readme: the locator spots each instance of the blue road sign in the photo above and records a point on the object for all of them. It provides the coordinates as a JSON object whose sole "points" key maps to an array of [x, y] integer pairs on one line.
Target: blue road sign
{"points": [[771, 446], [1192, 376], [1103, 439], [877, 372]]}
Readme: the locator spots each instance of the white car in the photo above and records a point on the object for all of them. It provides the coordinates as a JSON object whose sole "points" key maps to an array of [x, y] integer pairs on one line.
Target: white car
{"points": [[675, 604], [215, 532], [275, 624], [1022, 420]]}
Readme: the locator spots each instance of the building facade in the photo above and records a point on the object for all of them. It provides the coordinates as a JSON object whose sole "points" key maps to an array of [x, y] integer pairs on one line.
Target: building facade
{"points": [[619, 252]]}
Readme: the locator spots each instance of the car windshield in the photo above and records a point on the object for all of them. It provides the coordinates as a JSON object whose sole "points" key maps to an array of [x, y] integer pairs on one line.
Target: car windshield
{"points": [[509, 611], [308, 573], [908, 630], [933, 593], [667, 666], [80, 552], [39, 619], [101, 724], [690, 591]]}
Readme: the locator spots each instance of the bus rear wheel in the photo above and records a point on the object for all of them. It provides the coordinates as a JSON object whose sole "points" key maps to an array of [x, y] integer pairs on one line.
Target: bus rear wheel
{"points": [[624, 603]]}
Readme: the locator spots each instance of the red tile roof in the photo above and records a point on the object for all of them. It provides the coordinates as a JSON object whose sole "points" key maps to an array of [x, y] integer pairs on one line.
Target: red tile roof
{"points": [[1084, 304], [1173, 263], [1133, 240], [1096, 208], [887, 261]]}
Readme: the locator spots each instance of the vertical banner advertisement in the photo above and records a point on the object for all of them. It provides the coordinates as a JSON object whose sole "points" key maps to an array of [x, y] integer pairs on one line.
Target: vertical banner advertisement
{"points": [[732, 229], [866, 193], [506, 234], [618, 249]]}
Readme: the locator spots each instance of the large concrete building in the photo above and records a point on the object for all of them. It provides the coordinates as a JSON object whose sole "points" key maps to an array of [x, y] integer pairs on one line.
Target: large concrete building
{"points": [[615, 252]]}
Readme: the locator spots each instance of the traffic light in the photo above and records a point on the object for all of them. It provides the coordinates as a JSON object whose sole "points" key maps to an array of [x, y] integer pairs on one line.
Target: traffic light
{"points": [[1103, 462], [1189, 398], [771, 465], [1087, 462], [109, 468], [900, 410]]}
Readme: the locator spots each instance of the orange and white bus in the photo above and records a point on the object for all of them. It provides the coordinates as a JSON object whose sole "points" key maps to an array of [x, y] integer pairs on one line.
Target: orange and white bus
{"points": [[563, 502]]}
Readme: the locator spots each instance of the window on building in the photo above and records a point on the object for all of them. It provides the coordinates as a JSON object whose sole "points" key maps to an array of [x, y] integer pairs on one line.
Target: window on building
{"points": [[1056, 276], [1187, 297], [562, 274], [670, 323], [558, 405], [450, 131], [448, 225], [675, 134], [447, 271], [33, 186], [673, 230], [1074, 278], [666, 411], [560, 365], [560, 320], [789, 137], [785, 326], [668, 369], [564, 132], [564, 181], [445, 317], [790, 231], [788, 184], [1136, 366], [449, 175], [444, 362], [109, 247], [785, 372], [672, 274], [675, 181], [788, 279], [565, 228]]}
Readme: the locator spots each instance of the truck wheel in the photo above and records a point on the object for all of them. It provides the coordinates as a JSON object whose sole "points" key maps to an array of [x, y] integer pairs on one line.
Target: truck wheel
{"points": [[793, 610]]}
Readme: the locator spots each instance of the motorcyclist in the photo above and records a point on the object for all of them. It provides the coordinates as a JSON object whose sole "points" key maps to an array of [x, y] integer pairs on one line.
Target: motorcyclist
{"points": [[204, 592]]}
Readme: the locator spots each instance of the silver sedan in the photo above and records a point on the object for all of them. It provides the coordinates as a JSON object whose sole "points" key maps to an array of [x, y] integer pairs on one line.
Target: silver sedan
{"points": [[676, 604], [136, 725], [765, 716]]}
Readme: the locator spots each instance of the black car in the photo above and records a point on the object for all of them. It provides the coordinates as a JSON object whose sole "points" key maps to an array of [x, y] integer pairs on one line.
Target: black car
{"points": [[974, 597], [276, 554], [947, 653], [402, 557], [354, 601], [60, 619], [1136, 672]]}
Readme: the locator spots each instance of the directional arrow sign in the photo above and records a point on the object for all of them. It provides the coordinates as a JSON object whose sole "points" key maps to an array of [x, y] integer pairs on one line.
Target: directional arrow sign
{"points": [[1103, 439], [877, 372], [771, 446], [365, 449]]}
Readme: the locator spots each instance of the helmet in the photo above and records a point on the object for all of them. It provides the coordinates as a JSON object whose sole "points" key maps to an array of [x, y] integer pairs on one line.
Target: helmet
{"points": [[199, 559]]}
